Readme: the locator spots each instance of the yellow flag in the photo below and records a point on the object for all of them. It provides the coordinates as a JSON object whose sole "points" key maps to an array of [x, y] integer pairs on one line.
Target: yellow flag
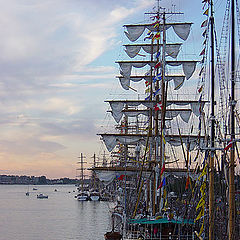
{"points": [[197, 234], [201, 202], [163, 138], [148, 90], [164, 193], [156, 36], [204, 171], [206, 12], [203, 187], [201, 230], [201, 213], [165, 204]]}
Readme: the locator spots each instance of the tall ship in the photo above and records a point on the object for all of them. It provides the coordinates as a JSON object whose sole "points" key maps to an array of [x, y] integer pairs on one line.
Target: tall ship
{"points": [[173, 146], [94, 193], [82, 188]]}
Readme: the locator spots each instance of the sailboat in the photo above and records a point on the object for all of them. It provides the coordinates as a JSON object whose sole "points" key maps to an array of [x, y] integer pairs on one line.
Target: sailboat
{"points": [[165, 150]]}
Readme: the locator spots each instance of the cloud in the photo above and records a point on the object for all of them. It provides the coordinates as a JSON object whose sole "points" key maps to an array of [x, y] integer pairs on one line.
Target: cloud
{"points": [[34, 146], [56, 69]]}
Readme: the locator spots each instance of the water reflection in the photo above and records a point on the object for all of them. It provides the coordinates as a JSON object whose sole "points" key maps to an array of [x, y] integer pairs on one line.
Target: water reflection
{"points": [[59, 217]]}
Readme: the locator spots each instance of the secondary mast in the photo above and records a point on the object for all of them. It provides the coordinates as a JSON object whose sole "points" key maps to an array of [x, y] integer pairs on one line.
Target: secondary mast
{"points": [[211, 159], [231, 226]]}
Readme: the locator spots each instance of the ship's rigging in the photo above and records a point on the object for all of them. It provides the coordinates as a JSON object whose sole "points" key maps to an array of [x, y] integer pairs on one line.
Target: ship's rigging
{"points": [[167, 128]]}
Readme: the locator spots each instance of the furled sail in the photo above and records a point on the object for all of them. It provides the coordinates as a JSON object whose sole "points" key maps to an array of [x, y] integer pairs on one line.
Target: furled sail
{"points": [[135, 31], [188, 67], [118, 107], [170, 114], [111, 140], [132, 51], [126, 82]]}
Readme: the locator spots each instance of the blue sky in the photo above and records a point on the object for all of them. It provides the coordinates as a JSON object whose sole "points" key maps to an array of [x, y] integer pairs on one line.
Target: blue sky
{"points": [[56, 69]]}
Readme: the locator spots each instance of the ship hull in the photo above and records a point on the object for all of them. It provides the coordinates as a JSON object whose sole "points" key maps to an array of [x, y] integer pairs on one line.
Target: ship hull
{"points": [[94, 198]]}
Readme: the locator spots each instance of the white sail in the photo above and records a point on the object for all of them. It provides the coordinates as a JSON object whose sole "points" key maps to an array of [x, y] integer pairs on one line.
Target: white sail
{"points": [[135, 31], [111, 140], [133, 50], [188, 67], [126, 82]]}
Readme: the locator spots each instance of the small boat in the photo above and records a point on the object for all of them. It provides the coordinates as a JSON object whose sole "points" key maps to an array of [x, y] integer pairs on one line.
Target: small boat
{"points": [[113, 236], [41, 196], [94, 195], [27, 192], [82, 196]]}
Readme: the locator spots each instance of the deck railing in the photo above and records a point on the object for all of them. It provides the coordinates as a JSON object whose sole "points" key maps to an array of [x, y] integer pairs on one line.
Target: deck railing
{"points": [[136, 235]]}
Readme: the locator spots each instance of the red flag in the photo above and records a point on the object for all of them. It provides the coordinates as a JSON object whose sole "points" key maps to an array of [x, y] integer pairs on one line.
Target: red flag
{"points": [[228, 146], [157, 36], [202, 52], [187, 182], [158, 106], [204, 23], [200, 89], [121, 177], [157, 65], [155, 23], [163, 169], [147, 83]]}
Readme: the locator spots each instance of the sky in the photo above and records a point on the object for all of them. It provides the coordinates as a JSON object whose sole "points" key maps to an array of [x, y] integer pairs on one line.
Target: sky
{"points": [[57, 66]]}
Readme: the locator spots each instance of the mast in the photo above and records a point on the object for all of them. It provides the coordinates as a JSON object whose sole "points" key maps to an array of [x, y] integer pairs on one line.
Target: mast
{"points": [[155, 180], [211, 159], [155, 108], [94, 177], [81, 169], [81, 158], [231, 226]]}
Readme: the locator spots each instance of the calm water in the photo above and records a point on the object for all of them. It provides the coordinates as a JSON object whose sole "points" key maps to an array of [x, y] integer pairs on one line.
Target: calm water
{"points": [[60, 217]]}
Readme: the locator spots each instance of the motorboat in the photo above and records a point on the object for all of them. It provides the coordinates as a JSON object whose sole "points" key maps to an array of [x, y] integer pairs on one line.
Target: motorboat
{"points": [[82, 196], [41, 196]]}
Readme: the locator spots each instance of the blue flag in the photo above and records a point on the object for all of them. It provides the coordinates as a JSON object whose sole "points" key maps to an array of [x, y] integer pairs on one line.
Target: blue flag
{"points": [[163, 183], [147, 98]]}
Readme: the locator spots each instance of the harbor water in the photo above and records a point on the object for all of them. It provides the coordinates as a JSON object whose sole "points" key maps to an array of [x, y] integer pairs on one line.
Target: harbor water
{"points": [[60, 217]]}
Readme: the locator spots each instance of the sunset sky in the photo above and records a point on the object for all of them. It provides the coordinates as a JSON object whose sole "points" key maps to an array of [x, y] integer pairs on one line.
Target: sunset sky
{"points": [[57, 66]]}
